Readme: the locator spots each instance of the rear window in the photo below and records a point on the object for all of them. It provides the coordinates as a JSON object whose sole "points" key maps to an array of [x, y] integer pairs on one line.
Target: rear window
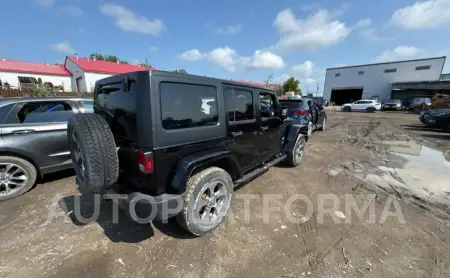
{"points": [[188, 105], [294, 104]]}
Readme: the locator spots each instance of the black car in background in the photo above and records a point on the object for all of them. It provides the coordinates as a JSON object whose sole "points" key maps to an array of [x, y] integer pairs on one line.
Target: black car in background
{"points": [[33, 139], [436, 118], [307, 112]]}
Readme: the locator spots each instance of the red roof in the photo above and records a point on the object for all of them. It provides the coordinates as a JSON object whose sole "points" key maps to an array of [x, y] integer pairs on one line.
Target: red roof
{"points": [[35, 68], [251, 83], [99, 66]]}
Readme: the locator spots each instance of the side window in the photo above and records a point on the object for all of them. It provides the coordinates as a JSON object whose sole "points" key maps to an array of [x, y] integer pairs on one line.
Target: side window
{"points": [[188, 105], [4, 111], [358, 102], [267, 105], [239, 105], [35, 108]]}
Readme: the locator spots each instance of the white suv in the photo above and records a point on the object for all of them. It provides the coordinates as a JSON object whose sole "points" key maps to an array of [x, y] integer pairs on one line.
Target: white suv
{"points": [[362, 105]]}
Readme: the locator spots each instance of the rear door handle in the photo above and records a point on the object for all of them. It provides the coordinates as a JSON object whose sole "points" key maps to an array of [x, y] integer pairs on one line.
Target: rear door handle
{"points": [[264, 128], [236, 134], [23, 131]]}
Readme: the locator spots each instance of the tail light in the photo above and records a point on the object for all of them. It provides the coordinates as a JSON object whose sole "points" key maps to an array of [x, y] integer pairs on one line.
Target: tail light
{"points": [[145, 162], [300, 112]]}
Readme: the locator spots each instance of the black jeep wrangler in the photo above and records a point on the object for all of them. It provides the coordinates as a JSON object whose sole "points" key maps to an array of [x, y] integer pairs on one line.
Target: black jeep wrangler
{"points": [[176, 144]]}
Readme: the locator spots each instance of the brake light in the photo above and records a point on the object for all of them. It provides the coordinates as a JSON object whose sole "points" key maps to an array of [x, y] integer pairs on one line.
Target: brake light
{"points": [[300, 112], [145, 162]]}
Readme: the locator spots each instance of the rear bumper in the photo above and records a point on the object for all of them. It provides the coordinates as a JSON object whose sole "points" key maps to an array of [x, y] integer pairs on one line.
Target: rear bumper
{"points": [[144, 208]]}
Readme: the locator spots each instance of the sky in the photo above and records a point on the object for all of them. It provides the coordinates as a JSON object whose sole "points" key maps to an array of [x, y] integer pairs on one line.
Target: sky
{"points": [[237, 39]]}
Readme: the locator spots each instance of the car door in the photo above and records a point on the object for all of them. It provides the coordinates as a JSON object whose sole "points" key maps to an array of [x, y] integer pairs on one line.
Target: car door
{"points": [[242, 127], [314, 112], [357, 105], [38, 130], [320, 113], [269, 125]]}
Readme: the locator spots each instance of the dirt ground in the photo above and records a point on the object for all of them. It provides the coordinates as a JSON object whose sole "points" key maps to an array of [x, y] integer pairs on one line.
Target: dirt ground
{"points": [[350, 160]]}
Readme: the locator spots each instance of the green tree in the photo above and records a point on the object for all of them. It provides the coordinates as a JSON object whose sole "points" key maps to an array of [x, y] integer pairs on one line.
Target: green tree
{"points": [[310, 94], [97, 56], [291, 85], [109, 58], [183, 71]]}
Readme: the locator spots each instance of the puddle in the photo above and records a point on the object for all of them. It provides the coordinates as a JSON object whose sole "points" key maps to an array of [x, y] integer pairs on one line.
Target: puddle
{"points": [[415, 171]]}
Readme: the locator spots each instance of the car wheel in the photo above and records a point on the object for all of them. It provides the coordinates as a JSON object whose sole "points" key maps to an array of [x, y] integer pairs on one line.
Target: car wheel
{"points": [[370, 109], [207, 201], [295, 157], [347, 109], [17, 176], [93, 151], [324, 123]]}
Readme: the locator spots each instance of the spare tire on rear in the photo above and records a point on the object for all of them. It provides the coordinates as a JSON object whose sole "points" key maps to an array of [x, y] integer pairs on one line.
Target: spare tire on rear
{"points": [[93, 151]]}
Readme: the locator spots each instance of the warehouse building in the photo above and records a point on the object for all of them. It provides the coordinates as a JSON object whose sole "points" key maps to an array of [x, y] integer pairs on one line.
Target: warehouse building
{"points": [[85, 71], [28, 75], [401, 79]]}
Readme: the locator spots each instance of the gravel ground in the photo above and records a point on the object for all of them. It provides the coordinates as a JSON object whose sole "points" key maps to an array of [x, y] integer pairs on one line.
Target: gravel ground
{"points": [[402, 233]]}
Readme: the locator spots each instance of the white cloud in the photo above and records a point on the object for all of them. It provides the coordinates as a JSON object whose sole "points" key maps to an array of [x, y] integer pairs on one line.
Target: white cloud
{"points": [[263, 59], [72, 11], [63, 47], [399, 53], [423, 15], [152, 49], [45, 3], [363, 23], [308, 72], [229, 30], [227, 58], [317, 31], [191, 55], [130, 22]]}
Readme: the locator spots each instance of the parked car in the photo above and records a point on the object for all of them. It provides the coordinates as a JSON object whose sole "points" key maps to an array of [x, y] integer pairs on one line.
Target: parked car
{"points": [[437, 119], [307, 113], [184, 159], [33, 139], [392, 104], [426, 115], [368, 105], [419, 103]]}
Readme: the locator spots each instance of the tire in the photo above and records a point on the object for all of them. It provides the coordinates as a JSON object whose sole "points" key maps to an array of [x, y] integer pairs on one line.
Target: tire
{"points": [[370, 110], [347, 109], [200, 197], [93, 151], [295, 157], [310, 129], [18, 171], [324, 123]]}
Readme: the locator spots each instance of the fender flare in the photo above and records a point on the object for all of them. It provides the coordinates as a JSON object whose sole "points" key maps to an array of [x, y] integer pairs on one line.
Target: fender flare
{"points": [[291, 137], [186, 165]]}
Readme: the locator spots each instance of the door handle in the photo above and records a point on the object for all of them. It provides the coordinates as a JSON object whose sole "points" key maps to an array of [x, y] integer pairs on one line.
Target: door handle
{"points": [[236, 134], [23, 131], [264, 128]]}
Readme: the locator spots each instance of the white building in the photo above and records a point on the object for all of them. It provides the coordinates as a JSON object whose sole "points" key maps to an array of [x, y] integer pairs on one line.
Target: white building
{"points": [[24, 75], [376, 81], [85, 72]]}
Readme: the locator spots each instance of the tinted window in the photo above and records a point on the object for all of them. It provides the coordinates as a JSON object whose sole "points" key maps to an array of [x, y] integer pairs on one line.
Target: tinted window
{"points": [[42, 107], [4, 111], [361, 72], [423, 67], [42, 117], [267, 105], [188, 105], [239, 105], [337, 74], [294, 105]]}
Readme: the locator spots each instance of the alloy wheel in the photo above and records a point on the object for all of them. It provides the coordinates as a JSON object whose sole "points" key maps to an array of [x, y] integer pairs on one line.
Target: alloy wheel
{"points": [[12, 178], [211, 204]]}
